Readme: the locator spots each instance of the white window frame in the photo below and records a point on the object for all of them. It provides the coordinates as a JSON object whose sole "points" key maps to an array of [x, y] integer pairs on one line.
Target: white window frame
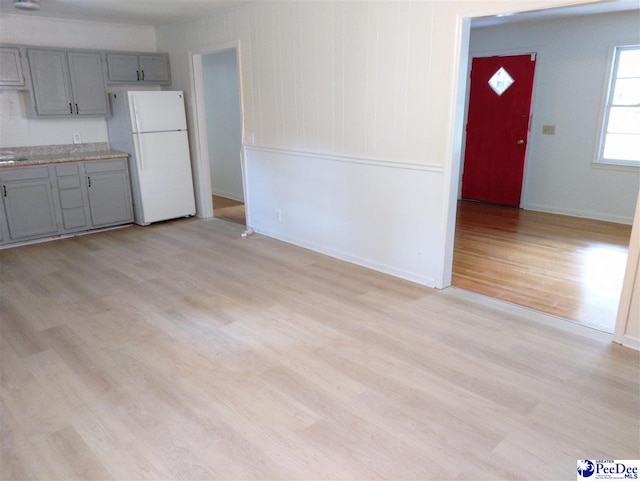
{"points": [[608, 96]]}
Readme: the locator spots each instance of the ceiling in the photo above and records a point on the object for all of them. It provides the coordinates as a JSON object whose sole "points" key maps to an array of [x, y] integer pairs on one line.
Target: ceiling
{"points": [[158, 12], [136, 12], [605, 6]]}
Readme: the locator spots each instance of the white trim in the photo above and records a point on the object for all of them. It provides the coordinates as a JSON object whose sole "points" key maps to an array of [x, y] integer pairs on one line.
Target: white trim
{"points": [[348, 159], [628, 341], [204, 201], [615, 166], [376, 266], [577, 213], [456, 138], [603, 119], [227, 195], [629, 286]]}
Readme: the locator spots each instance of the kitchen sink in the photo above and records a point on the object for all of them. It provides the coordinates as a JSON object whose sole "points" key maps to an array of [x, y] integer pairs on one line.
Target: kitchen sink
{"points": [[10, 158]]}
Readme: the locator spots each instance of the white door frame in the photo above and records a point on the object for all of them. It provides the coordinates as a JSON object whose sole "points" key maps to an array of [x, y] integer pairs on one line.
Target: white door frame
{"points": [[201, 174]]}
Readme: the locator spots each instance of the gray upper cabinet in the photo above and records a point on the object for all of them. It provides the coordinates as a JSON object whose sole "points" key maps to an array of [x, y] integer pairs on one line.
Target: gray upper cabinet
{"points": [[150, 68], [87, 83], [50, 78], [122, 67], [67, 83], [11, 68], [155, 68]]}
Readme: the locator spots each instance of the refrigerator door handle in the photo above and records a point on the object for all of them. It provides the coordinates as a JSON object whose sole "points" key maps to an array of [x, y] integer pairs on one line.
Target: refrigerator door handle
{"points": [[135, 114], [138, 152]]}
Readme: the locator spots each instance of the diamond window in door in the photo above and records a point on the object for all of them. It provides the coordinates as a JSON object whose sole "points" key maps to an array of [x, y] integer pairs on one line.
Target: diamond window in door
{"points": [[500, 81]]}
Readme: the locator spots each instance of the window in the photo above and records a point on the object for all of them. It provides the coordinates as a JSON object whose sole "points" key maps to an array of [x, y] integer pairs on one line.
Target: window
{"points": [[620, 142]]}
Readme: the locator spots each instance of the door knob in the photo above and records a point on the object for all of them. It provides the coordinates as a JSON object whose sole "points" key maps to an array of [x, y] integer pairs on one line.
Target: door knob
{"points": [[520, 142]]}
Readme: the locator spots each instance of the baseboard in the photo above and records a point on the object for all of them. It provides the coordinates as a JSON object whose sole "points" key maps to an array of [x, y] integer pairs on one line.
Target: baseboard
{"points": [[629, 341], [578, 213], [228, 195], [409, 276]]}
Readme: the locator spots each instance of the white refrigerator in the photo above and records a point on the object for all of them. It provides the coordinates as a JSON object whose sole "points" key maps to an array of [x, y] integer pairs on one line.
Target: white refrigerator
{"points": [[151, 127]]}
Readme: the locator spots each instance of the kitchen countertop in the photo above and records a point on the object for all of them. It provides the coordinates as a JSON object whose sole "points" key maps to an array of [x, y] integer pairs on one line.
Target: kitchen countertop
{"points": [[52, 154]]}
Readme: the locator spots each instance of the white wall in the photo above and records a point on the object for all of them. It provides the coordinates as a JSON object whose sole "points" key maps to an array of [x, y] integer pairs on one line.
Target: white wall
{"points": [[627, 330], [571, 76], [224, 123], [363, 84], [15, 128]]}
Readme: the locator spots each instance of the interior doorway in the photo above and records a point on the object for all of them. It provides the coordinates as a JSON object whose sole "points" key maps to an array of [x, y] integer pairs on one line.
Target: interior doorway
{"points": [[506, 256], [223, 111]]}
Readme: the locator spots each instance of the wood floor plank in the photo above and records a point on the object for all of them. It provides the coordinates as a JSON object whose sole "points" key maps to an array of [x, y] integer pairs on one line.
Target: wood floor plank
{"points": [[229, 210], [565, 266], [183, 351]]}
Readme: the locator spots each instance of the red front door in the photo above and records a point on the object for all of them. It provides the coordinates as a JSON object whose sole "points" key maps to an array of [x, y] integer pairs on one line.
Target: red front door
{"points": [[497, 128]]}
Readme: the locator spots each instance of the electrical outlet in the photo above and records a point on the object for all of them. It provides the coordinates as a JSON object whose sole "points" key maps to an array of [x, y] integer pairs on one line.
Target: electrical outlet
{"points": [[549, 129], [76, 138], [279, 215], [251, 139]]}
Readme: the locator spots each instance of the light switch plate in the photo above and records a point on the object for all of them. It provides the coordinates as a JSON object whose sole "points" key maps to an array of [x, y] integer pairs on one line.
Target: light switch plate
{"points": [[549, 129]]}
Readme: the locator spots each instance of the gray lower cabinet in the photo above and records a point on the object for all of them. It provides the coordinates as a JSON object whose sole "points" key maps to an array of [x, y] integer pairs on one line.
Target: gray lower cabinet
{"points": [[73, 197], [4, 234], [28, 203], [56, 199], [109, 192], [67, 83]]}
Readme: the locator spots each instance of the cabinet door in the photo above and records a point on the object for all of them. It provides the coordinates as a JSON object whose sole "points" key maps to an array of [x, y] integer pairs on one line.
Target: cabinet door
{"points": [[10, 67], [4, 230], [29, 208], [109, 198], [155, 68], [122, 67], [50, 78], [87, 83]]}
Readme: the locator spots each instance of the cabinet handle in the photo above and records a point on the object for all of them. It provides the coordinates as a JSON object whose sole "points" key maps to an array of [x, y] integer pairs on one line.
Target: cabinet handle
{"points": [[143, 75], [77, 112], [4, 190], [88, 181], [70, 108], [138, 75]]}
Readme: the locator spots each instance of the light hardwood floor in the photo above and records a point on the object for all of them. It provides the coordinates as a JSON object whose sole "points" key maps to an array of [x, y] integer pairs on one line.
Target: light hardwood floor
{"points": [[229, 209], [183, 351], [565, 266]]}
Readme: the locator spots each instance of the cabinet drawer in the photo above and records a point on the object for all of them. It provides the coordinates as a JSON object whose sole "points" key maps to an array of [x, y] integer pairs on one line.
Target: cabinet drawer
{"points": [[105, 166], [24, 173], [67, 169], [69, 183]]}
